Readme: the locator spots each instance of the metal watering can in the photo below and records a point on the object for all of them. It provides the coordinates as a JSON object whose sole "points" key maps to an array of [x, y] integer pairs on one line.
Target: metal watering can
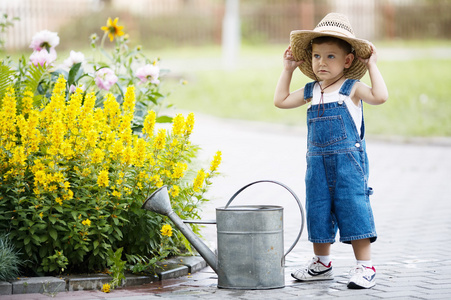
{"points": [[249, 238]]}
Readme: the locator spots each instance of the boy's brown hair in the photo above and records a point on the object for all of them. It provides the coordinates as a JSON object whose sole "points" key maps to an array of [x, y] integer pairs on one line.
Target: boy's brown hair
{"points": [[345, 46]]}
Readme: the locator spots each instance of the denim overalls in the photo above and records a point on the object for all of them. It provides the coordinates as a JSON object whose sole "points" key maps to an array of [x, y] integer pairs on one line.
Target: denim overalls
{"points": [[337, 173]]}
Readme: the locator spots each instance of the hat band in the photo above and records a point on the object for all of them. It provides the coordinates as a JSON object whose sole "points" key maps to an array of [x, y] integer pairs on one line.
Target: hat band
{"points": [[331, 30]]}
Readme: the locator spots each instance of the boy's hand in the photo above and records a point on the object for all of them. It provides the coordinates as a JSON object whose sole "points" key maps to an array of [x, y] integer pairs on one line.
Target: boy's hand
{"points": [[288, 60], [372, 59]]}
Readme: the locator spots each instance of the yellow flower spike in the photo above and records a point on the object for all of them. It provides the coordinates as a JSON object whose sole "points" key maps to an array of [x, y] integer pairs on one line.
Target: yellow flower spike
{"points": [[160, 139], [102, 180], [112, 29], [175, 191], [178, 170], [128, 106], [189, 125], [199, 180], [216, 161], [178, 124], [166, 230], [149, 123]]}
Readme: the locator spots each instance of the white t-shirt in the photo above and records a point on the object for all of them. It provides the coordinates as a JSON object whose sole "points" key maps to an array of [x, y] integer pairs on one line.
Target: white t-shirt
{"points": [[355, 111]]}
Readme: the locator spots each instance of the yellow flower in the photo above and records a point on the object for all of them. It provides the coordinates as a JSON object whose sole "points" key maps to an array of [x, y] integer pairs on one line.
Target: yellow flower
{"points": [[149, 123], [189, 125], [112, 29], [27, 102], [216, 161], [175, 191], [160, 139], [106, 288], [166, 230], [179, 170], [178, 124], [129, 101], [102, 180], [199, 180], [97, 156], [41, 215], [86, 222], [59, 201], [116, 194]]}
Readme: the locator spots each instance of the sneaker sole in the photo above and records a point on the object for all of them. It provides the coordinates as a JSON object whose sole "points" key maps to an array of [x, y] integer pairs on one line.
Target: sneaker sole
{"points": [[312, 278], [354, 286]]}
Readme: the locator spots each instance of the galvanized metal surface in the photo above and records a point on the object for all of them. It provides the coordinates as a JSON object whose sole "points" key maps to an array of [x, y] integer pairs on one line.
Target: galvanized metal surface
{"points": [[250, 247]]}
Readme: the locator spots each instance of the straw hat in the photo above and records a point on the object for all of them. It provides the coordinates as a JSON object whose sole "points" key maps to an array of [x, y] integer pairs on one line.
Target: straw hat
{"points": [[335, 25]]}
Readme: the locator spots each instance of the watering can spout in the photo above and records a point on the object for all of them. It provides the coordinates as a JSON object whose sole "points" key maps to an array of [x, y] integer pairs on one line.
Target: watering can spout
{"points": [[159, 202]]}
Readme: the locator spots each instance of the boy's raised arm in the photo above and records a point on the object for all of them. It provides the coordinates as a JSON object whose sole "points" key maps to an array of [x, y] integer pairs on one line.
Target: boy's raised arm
{"points": [[378, 93], [282, 96]]}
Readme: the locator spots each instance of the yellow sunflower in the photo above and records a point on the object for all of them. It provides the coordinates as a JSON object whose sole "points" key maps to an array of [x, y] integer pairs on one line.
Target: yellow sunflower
{"points": [[112, 29]]}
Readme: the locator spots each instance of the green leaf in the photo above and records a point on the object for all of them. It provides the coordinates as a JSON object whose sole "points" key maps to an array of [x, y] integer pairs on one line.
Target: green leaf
{"points": [[34, 77], [53, 233], [96, 244], [73, 74], [5, 80], [164, 119]]}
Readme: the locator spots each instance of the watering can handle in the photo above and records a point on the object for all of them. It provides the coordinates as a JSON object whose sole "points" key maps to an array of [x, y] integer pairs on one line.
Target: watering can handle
{"points": [[295, 197]]}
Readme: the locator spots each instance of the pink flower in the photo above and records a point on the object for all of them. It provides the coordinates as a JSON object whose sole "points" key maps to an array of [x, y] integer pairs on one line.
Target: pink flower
{"points": [[44, 40], [43, 57], [148, 73], [105, 78], [74, 58]]}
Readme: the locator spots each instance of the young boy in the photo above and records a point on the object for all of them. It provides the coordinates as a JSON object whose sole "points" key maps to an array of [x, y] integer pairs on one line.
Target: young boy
{"points": [[337, 192]]}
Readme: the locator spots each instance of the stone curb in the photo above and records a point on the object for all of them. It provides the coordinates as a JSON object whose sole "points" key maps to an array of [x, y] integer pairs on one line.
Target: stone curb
{"points": [[171, 268]]}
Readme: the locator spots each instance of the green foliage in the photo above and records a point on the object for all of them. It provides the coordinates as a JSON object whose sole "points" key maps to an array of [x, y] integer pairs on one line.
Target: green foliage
{"points": [[116, 267], [56, 262], [10, 261], [6, 75]]}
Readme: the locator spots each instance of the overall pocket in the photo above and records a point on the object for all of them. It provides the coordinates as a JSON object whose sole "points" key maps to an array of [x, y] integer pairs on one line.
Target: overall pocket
{"points": [[325, 131]]}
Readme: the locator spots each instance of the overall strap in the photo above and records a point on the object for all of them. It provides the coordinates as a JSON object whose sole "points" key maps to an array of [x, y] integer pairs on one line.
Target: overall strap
{"points": [[347, 87], [346, 91], [308, 90]]}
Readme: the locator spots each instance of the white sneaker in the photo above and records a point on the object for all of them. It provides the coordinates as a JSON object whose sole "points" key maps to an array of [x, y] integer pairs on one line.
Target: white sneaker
{"points": [[315, 270], [362, 277]]}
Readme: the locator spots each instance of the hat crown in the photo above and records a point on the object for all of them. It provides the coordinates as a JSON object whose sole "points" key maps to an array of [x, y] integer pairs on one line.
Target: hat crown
{"points": [[335, 21]]}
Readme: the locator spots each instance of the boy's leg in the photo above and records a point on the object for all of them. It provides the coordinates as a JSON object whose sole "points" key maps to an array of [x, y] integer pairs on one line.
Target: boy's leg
{"points": [[321, 249], [316, 269], [363, 275], [362, 249]]}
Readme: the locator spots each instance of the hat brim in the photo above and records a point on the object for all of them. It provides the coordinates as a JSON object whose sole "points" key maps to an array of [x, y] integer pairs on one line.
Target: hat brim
{"points": [[300, 47]]}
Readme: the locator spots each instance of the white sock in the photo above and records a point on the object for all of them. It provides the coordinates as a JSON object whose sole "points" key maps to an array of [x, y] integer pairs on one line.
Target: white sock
{"points": [[366, 263], [324, 259]]}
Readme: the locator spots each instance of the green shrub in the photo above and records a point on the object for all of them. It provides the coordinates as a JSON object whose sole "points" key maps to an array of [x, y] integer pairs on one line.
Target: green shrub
{"points": [[80, 151]]}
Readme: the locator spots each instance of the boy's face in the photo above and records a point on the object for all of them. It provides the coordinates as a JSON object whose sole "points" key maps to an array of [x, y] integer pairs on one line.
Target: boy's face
{"points": [[329, 61]]}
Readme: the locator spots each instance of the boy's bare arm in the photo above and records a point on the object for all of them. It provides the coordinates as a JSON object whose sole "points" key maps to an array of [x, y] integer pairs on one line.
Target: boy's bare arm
{"points": [[282, 96], [378, 92]]}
